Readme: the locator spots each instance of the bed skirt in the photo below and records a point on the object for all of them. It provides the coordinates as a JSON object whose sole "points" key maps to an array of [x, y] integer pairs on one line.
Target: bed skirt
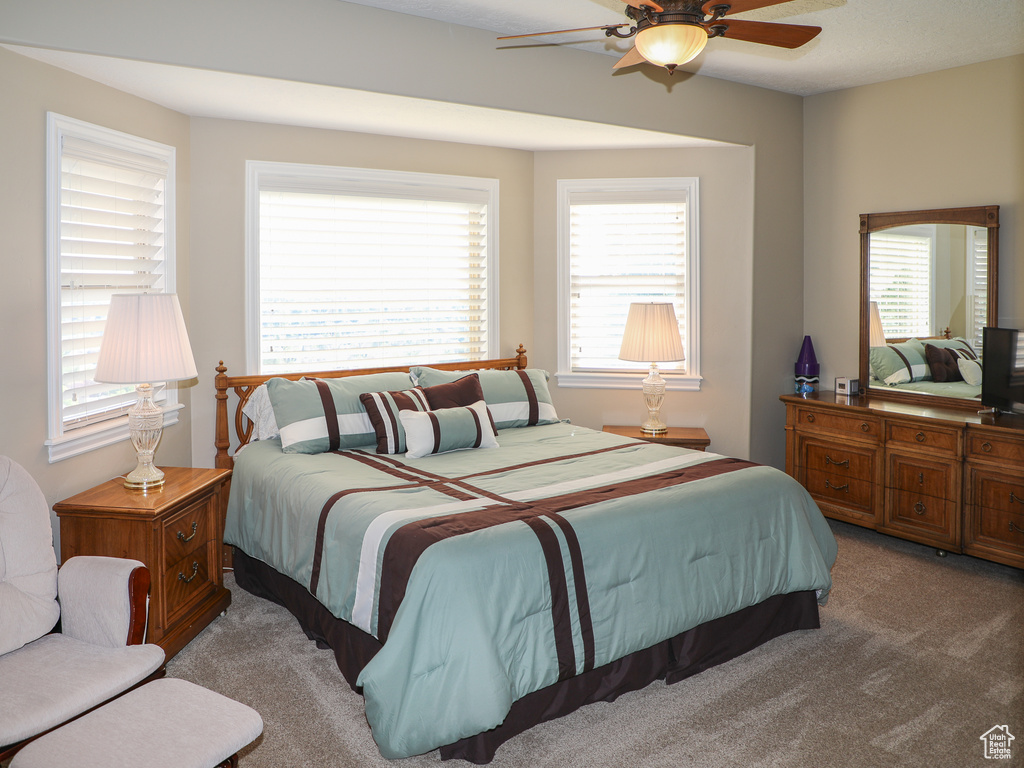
{"points": [[672, 660]]}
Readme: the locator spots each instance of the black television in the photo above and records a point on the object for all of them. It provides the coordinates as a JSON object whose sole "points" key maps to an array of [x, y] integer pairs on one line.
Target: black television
{"points": [[1002, 365]]}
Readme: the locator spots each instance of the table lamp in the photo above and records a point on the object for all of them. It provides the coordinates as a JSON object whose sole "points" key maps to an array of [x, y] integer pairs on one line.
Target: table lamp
{"points": [[652, 336], [875, 332], [145, 341]]}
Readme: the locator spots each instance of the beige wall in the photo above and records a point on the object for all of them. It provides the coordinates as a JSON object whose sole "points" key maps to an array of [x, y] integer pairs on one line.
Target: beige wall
{"points": [[726, 229], [940, 140], [28, 90], [219, 151]]}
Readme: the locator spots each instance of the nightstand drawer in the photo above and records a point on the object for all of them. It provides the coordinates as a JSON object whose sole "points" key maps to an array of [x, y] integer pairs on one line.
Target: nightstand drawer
{"points": [[187, 532], [186, 579], [932, 437]]}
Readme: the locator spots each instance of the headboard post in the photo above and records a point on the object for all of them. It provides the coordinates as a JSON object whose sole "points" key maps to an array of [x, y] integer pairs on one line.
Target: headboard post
{"points": [[521, 357], [221, 440]]}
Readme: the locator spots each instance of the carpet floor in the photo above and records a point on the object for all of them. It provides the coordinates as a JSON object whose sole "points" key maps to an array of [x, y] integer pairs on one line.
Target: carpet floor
{"points": [[917, 657]]}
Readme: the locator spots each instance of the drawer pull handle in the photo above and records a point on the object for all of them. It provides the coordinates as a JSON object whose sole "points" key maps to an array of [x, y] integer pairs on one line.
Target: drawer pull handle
{"points": [[920, 477], [1015, 528], [986, 447], [195, 571], [810, 417], [920, 508], [187, 539], [919, 437], [1014, 497], [865, 427], [830, 460], [845, 487]]}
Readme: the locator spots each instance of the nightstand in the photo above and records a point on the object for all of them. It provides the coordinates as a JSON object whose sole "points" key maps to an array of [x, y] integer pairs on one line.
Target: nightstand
{"points": [[682, 437], [175, 530]]}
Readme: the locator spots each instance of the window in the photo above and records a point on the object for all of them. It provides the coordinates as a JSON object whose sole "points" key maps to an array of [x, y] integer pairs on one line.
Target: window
{"points": [[901, 283], [110, 229], [351, 268], [622, 241], [977, 285]]}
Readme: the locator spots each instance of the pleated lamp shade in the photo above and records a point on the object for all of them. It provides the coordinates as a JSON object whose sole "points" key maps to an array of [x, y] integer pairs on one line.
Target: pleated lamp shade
{"points": [[652, 334], [875, 332], [145, 341]]}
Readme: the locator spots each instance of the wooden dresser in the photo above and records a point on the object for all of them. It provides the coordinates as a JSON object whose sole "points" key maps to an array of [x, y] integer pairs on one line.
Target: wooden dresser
{"points": [[948, 478]]}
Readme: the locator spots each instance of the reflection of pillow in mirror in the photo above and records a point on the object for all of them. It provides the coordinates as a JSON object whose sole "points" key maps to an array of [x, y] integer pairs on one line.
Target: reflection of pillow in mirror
{"points": [[970, 370], [942, 363], [900, 363], [959, 343]]}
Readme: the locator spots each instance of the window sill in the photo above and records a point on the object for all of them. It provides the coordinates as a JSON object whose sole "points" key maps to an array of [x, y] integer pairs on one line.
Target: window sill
{"points": [[631, 380], [95, 436]]}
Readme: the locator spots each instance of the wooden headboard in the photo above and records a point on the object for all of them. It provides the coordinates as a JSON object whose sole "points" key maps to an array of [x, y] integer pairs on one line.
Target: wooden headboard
{"points": [[244, 386]]}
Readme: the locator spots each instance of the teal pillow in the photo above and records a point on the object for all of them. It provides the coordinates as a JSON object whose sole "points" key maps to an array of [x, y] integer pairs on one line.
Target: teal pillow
{"points": [[900, 363], [447, 429], [517, 398], [319, 415]]}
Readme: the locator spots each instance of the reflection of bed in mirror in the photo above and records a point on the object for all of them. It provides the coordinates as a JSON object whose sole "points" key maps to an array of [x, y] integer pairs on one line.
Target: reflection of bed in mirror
{"points": [[928, 289]]}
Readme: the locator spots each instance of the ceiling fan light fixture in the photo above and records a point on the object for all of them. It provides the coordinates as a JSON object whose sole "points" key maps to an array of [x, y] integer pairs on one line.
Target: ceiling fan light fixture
{"points": [[671, 45]]}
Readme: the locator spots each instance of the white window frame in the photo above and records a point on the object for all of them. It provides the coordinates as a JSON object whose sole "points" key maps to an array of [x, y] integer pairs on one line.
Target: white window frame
{"points": [[574, 191], [64, 443], [356, 181]]}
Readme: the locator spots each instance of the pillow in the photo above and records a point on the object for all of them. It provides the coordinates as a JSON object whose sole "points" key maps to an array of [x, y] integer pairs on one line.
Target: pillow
{"points": [[517, 398], [942, 363], [383, 408], [959, 343], [970, 370], [900, 363], [318, 415], [447, 429], [260, 412]]}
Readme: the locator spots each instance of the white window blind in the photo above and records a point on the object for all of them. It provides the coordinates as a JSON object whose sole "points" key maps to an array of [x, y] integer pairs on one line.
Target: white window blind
{"points": [[381, 271], [624, 241], [977, 285], [621, 253], [111, 221], [901, 269]]}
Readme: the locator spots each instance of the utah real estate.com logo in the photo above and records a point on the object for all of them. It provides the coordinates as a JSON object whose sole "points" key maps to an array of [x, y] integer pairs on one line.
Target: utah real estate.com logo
{"points": [[997, 742]]}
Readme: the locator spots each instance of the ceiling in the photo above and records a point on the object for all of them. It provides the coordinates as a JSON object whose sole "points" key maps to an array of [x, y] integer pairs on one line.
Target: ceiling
{"points": [[862, 42]]}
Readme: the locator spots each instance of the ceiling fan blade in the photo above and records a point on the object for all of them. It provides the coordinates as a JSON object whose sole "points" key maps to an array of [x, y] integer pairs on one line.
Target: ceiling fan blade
{"points": [[652, 5], [740, 6], [562, 31], [632, 58], [767, 33]]}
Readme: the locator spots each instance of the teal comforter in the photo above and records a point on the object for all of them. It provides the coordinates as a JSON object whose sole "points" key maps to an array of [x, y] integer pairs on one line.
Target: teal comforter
{"points": [[490, 574]]}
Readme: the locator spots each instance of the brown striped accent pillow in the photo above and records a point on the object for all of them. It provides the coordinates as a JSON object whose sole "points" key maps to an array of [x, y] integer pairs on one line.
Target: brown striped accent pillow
{"points": [[383, 409]]}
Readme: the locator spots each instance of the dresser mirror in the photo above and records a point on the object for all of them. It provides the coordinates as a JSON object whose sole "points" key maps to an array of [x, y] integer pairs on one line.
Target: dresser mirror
{"points": [[928, 287]]}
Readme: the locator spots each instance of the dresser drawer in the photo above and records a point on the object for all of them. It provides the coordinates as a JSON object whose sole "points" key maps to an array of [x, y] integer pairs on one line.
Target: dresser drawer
{"points": [[839, 460], [987, 447], [845, 491], [923, 476], [1005, 494], [187, 531], [1002, 527], [865, 428], [916, 510], [933, 437]]}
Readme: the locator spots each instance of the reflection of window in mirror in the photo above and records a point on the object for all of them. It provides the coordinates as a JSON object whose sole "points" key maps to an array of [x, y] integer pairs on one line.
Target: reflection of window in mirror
{"points": [[902, 280], [976, 282]]}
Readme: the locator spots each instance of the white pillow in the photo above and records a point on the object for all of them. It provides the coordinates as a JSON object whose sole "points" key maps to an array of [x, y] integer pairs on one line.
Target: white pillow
{"points": [[970, 370], [447, 429], [260, 412]]}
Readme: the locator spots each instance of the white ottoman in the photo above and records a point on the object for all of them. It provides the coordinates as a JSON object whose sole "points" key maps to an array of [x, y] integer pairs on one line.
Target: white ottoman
{"points": [[167, 723]]}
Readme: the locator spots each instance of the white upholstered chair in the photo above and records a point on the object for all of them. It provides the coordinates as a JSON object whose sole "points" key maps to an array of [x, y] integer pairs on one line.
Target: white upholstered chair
{"points": [[46, 677]]}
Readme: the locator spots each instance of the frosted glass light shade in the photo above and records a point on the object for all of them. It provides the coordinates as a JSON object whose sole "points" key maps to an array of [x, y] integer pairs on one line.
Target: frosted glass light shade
{"points": [[876, 334], [144, 341], [670, 45], [652, 334]]}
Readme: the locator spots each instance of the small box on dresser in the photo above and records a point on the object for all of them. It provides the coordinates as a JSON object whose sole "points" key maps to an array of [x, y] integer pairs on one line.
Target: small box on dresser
{"points": [[176, 530]]}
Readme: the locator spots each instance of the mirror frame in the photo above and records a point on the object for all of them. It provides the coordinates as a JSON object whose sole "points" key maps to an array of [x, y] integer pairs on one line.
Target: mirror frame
{"points": [[979, 216]]}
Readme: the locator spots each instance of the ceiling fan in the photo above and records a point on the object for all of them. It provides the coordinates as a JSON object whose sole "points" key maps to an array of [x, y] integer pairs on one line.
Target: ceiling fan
{"points": [[672, 32]]}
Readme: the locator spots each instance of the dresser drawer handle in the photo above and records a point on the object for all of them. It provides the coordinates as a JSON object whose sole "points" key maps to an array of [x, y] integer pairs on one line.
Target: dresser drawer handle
{"points": [[986, 447], [1014, 497], [920, 508], [1015, 528], [919, 437], [810, 418], [920, 478], [187, 539], [830, 460], [865, 427], [195, 571], [845, 487]]}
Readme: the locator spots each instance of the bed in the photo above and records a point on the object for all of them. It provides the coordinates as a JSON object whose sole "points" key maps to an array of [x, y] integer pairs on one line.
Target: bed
{"points": [[470, 594]]}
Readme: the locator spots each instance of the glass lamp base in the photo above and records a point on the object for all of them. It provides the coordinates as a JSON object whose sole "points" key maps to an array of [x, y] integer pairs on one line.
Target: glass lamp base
{"points": [[145, 426], [654, 396]]}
